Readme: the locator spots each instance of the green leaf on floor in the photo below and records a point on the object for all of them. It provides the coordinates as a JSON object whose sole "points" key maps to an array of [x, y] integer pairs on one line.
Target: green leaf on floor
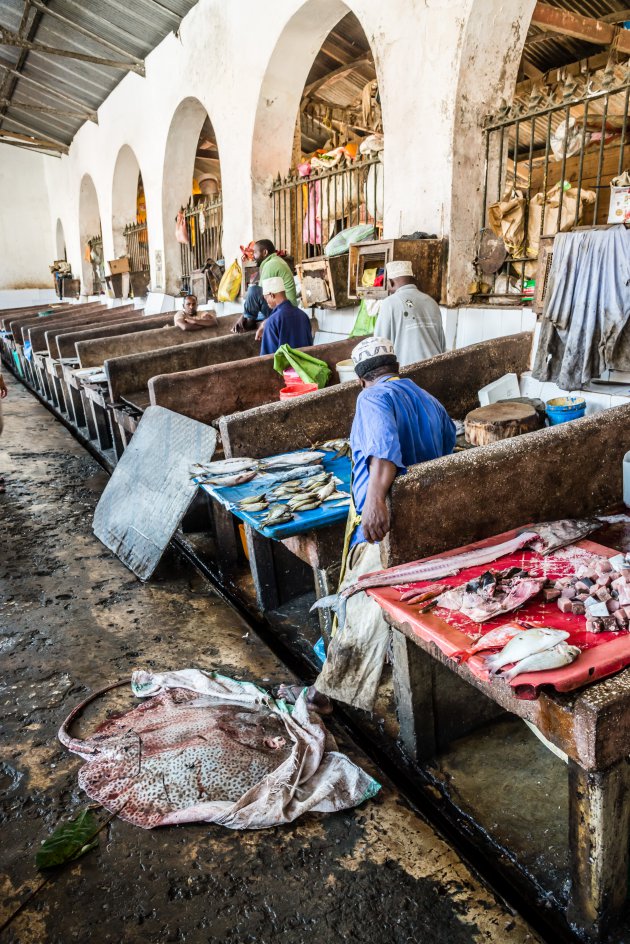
{"points": [[69, 841]]}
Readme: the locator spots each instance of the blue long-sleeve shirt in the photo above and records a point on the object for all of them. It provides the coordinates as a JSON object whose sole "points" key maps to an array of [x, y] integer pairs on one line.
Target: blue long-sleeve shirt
{"points": [[286, 325], [398, 421]]}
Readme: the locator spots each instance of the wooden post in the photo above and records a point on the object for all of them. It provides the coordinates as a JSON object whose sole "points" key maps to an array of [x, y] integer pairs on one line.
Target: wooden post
{"points": [[75, 403], [263, 569], [225, 535], [599, 835], [101, 425], [413, 688]]}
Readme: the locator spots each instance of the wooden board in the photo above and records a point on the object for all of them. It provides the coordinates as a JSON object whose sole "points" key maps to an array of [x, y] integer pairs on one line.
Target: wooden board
{"points": [[150, 490]]}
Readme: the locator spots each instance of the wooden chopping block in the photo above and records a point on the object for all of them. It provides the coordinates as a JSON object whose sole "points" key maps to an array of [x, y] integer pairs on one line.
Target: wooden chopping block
{"points": [[498, 421]]}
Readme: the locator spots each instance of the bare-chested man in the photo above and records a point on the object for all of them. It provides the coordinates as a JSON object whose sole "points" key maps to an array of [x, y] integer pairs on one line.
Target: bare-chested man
{"points": [[188, 319]]}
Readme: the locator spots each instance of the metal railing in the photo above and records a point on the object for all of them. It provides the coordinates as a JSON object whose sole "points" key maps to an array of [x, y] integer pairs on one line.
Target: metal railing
{"points": [[549, 162], [137, 243], [204, 225], [309, 211]]}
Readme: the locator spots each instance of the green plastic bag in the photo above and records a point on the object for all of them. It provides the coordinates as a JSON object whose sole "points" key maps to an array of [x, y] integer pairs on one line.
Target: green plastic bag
{"points": [[364, 322], [310, 369]]}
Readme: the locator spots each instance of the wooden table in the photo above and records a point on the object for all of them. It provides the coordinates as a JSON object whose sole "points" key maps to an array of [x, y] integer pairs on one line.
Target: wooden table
{"points": [[439, 700]]}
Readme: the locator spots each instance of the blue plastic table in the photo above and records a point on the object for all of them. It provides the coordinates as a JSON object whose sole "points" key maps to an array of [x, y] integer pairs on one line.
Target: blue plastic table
{"points": [[303, 521]]}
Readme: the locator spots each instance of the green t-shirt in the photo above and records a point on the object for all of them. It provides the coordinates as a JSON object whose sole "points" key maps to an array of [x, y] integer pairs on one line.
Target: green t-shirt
{"points": [[274, 266]]}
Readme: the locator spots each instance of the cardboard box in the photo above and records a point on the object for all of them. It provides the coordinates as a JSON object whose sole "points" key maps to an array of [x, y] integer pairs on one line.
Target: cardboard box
{"points": [[119, 266]]}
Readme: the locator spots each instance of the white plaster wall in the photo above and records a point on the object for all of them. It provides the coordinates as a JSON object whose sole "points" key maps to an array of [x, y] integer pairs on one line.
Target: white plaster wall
{"points": [[27, 246], [247, 68]]}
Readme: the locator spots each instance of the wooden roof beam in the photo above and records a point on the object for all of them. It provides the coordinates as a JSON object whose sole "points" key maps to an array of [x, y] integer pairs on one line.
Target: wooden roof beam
{"points": [[9, 38], [56, 93], [43, 109], [34, 141], [336, 73], [585, 28]]}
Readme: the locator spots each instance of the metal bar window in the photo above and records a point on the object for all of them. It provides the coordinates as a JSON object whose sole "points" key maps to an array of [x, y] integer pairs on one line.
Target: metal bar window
{"points": [[137, 243], [554, 157], [309, 211], [204, 225]]}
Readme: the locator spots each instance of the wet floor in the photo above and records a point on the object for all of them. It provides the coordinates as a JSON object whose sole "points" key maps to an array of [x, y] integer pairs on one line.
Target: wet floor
{"points": [[73, 619]]}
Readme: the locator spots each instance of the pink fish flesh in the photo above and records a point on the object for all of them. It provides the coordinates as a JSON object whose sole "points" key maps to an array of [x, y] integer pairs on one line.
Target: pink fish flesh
{"points": [[509, 596]]}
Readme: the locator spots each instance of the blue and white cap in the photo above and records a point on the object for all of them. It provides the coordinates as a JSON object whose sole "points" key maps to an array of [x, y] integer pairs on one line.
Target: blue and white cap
{"points": [[370, 348]]}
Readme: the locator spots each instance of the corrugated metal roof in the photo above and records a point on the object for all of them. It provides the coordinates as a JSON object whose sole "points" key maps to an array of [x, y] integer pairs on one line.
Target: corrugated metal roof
{"points": [[547, 50], [72, 86]]}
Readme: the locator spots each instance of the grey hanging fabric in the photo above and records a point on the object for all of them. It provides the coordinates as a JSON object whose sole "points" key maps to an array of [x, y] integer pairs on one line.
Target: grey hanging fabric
{"points": [[586, 309]]}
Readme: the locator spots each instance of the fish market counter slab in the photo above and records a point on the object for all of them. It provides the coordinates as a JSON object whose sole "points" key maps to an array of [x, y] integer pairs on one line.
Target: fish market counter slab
{"points": [[303, 522], [440, 698]]}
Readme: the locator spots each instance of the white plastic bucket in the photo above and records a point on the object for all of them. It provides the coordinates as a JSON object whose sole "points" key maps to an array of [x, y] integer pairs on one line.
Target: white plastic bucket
{"points": [[345, 370]]}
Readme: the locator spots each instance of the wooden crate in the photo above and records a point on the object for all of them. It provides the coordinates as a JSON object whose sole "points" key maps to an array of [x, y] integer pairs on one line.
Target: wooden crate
{"points": [[427, 257], [324, 281]]}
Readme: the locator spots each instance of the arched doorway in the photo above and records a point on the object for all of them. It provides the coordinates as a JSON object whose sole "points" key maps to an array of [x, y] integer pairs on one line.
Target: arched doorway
{"points": [[60, 243], [129, 212], [90, 234], [319, 132], [191, 196]]}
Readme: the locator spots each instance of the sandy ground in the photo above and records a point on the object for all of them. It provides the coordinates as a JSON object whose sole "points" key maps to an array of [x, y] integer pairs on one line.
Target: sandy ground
{"points": [[73, 619]]}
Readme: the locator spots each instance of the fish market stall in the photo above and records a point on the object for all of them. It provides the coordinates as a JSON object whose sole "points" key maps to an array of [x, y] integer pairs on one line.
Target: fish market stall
{"points": [[576, 690], [454, 378]]}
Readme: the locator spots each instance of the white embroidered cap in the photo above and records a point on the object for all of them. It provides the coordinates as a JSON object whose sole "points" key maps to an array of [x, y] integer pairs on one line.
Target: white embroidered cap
{"points": [[272, 286], [372, 347], [397, 269]]}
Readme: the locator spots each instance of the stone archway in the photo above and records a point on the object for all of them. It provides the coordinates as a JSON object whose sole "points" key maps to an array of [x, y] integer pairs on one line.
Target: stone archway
{"points": [[180, 158], [124, 196], [89, 227], [280, 96], [60, 241]]}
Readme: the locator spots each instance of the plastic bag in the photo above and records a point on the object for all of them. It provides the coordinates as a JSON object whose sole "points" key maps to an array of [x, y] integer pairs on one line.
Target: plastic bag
{"points": [[506, 219], [355, 234], [310, 369], [619, 211], [230, 284], [181, 231], [366, 318]]}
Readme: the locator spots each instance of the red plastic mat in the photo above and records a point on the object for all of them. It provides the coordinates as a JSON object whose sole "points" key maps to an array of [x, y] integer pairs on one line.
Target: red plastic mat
{"points": [[602, 654]]}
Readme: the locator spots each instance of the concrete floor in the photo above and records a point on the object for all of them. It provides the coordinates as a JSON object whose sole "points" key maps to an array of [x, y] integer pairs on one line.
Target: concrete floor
{"points": [[73, 619]]}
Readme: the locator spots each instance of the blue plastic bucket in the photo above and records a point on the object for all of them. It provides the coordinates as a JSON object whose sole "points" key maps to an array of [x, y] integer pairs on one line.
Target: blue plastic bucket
{"points": [[563, 409]]}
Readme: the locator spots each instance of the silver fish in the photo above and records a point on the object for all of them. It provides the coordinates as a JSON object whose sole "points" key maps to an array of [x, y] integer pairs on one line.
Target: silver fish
{"points": [[252, 500], [554, 658], [289, 475], [277, 513], [226, 481], [523, 645], [292, 460], [225, 466], [259, 506], [432, 569]]}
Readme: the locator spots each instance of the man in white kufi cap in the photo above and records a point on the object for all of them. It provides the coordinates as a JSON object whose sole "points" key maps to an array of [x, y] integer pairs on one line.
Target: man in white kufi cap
{"points": [[409, 318], [396, 425], [286, 324]]}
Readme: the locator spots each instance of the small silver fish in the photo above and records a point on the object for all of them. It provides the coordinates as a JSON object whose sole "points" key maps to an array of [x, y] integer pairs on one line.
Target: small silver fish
{"points": [[225, 466], [525, 644], [554, 658], [277, 514]]}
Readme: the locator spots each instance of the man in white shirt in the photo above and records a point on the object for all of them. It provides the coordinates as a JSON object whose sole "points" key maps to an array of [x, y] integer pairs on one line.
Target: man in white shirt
{"points": [[409, 318]]}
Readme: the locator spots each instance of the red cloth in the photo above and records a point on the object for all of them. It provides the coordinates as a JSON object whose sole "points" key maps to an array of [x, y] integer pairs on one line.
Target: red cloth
{"points": [[602, 654]]}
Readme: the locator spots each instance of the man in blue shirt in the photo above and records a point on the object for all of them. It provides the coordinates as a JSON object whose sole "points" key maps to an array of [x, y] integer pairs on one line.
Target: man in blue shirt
{"points": [[396, 425], [286, 323]]}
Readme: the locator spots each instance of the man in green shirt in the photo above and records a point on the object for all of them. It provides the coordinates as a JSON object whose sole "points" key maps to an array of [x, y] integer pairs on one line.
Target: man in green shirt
{"points": [[271, 266]]}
